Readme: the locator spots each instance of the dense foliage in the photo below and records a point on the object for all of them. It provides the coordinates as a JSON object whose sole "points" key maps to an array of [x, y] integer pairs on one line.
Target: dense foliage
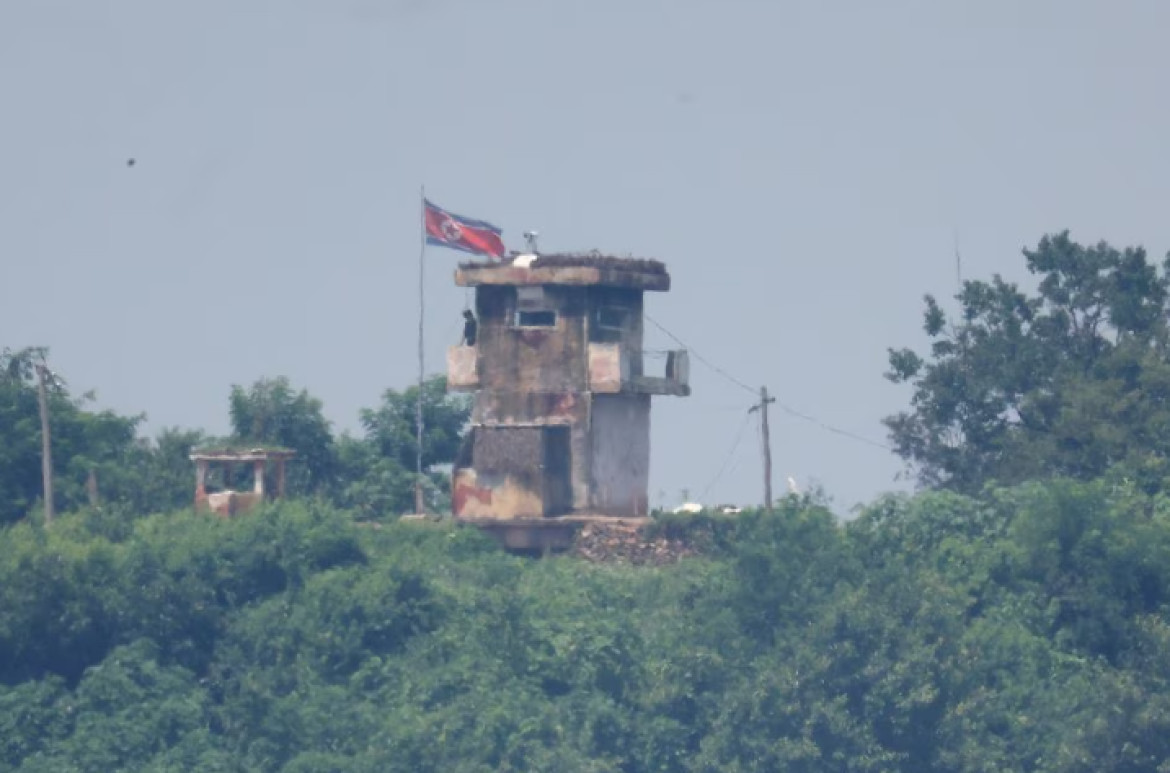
{"points": [[1073, 380], [100, 459], [1025, 631], [101, 443]]}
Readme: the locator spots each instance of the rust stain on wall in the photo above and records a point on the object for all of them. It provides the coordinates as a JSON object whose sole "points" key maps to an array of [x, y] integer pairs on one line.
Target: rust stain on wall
{"points": [[466, 496], [555, 337]]}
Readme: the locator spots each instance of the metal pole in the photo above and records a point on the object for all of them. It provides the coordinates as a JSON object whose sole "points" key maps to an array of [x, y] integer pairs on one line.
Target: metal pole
{"points": [[764, 400], [419, 505], [46, 445], [958, 263]]}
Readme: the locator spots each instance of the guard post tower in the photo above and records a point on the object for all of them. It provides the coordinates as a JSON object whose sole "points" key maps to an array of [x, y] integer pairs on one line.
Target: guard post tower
{"points": [[560, 428]]}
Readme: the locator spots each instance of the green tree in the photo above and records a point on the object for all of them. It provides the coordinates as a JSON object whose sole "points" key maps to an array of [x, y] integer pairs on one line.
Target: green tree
{"points": [[1069, 381], [1022, 630], [370, 484], [391, 426], [377, 471], [271, 411], [163, 475], [83, 441], [20, 453]]}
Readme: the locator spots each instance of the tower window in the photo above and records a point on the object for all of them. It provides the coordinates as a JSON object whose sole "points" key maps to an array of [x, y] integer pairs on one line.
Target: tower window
{"points": [[611, 319], [542, 318], [532, 308]]}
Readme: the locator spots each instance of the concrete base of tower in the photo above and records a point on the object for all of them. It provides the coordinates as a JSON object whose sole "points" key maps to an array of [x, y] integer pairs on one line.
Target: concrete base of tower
{"points": [[539, 536]]}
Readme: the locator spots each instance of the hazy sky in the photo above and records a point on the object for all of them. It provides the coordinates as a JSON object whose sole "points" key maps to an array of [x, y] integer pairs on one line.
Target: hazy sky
{"points": [[801, 167]]}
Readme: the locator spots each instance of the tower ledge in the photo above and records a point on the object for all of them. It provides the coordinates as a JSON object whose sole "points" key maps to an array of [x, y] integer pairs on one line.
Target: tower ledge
{"points": [[578, 270]]}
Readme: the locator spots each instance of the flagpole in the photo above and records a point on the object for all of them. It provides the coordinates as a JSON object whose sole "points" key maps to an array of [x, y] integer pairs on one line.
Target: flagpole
{"points": [[419, 506]]}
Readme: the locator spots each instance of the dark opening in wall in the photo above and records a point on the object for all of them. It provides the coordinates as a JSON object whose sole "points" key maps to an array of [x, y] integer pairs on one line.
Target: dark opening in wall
{"points": [[536, 319], [611, 318]]}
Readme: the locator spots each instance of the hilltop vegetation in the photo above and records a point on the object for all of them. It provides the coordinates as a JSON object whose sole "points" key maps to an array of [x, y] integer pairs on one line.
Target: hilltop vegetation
{"points": [[372, 475], [1026, 630], [1013, 615]]}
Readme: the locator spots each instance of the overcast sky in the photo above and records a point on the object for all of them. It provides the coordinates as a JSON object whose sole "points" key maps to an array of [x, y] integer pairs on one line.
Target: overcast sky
{"points": [[803, 169]]}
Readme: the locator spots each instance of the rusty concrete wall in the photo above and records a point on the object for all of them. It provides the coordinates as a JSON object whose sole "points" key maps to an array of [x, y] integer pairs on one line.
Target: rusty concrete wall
{"points": [[630, 304], [531, 359], [508, 408], [512, 451], [228, 503], [462, 368], [608, 368], [620, 452], [515, 472], [504, 478], [540, 376], [512, 408], [492, 497]]}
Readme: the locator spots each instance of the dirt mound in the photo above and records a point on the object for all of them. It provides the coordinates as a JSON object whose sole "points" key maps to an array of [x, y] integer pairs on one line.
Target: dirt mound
{"points": [[627, 543]]}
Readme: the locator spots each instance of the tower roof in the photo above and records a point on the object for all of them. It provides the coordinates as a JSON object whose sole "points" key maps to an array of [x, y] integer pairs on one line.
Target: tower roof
{"points": [[579, 270]]}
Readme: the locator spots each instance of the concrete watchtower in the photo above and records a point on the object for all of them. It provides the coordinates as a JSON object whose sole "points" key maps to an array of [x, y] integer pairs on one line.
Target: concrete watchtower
{"points": [[561, 418]]}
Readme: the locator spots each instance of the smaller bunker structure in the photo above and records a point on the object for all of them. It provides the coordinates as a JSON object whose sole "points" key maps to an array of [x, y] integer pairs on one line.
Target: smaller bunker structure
{"points": [[216, 468], [560, 425]]}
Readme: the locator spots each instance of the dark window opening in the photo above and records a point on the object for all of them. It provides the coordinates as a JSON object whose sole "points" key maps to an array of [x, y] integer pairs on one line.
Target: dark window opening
{"points": [[536, 319], [611, 319]]}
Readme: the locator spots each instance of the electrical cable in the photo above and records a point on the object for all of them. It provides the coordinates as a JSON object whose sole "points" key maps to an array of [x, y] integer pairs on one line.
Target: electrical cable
{"points": [[786, 408], [703, 359], [728, 458]]}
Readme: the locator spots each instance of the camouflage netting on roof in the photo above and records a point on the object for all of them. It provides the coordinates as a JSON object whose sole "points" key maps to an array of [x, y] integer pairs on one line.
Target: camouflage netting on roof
{"points": [[599, 261], [582, 260]]}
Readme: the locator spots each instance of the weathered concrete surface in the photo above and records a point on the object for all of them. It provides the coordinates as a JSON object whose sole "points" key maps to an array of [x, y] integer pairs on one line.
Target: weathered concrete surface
{"points": [[493, 497], [675, 378], [563, 409], [657, 385], [507, 407], [528, 535], [528, 359], [608, 368], [518, 472], [227, 503], [462, 374], [627, 304], [560, 423], [219, 502], [620, 450], [579, 276]]}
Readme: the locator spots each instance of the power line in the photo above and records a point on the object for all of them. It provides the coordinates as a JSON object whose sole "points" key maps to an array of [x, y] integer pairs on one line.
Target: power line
{"points": [[830, 428], [755, 393], [727, 460], [703, 359]]}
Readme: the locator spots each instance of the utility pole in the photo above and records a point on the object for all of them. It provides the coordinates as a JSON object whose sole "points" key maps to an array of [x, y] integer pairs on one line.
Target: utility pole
{"points": [[762, 407], [46, 443], [419, 502]]}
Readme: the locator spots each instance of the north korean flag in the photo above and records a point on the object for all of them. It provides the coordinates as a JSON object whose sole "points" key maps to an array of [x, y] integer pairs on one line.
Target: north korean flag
{"points": [[445, 229]]}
